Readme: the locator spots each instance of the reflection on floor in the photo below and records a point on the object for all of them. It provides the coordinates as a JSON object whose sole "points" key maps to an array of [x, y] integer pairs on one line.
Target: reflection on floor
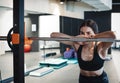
{"points": [[67, 74]]}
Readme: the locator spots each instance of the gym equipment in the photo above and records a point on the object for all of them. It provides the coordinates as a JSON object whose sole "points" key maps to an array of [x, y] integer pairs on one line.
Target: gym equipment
{"points": [[49, 54], [14, 39], [56, 63], [71, 61], [62, 39], [75, 39], [52, 62], [27, 48], [42, 71]]}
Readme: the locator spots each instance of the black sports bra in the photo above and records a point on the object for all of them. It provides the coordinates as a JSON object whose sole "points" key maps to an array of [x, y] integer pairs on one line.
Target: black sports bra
{"points": [[95, 64]]}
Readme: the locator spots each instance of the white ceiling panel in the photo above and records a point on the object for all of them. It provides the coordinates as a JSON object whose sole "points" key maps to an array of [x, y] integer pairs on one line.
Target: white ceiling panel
{"points": [[100, 5]]}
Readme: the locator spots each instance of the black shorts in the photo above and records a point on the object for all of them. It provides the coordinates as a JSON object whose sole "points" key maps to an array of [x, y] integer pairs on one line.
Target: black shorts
{"points": [[97, 79]]}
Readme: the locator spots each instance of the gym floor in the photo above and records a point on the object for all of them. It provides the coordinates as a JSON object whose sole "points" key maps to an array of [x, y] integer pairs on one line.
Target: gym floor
{"points": [[67, 74]]}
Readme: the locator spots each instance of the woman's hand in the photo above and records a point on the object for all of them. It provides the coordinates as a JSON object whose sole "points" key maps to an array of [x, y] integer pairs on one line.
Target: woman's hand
{"points": [[91, 36], [80, 36], [84, 36], [54, 34]]}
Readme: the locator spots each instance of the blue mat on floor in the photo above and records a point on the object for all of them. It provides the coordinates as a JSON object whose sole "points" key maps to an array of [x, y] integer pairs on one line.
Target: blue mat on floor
{"points": [[54, 62], [71, 60], [41, 72]]}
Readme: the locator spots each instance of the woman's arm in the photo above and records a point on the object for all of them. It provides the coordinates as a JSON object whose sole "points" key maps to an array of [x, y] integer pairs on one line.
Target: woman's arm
{"points": [[74, 44], [104, 46], [106, 34], [62, 35]]}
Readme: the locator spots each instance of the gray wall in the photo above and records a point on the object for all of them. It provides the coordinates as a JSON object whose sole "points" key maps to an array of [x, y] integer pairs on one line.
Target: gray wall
{"points": [[29, 20]]}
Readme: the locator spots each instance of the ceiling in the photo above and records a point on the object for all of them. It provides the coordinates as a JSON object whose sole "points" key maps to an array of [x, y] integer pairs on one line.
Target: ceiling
{"points": [[99, 4]]}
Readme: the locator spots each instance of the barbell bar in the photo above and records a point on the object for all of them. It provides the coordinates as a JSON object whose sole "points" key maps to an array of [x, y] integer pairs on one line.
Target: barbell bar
{"points": [[68, 39], [3, 38], [75, 39]]}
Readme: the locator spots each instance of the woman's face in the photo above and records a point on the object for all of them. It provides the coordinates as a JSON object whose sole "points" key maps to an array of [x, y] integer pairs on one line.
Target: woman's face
{"points": [[87, 32]]}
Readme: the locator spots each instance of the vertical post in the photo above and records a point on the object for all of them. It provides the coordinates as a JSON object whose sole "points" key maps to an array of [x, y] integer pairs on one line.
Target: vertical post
{"points": [[18, 52]]}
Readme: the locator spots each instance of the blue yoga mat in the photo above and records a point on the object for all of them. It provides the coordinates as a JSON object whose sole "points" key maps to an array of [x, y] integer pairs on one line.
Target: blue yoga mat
{"points": [[70, 60], [54, 62]]}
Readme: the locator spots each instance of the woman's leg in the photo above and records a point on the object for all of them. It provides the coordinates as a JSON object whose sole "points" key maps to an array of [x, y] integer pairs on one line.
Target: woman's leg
{"points": [[105, 78]]}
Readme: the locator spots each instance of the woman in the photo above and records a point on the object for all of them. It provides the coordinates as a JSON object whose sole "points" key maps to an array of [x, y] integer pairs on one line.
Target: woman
{"points": [[91, 55]]}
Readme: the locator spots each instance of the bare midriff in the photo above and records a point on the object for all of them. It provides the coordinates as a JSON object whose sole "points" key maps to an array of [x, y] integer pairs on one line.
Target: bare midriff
{"points": [[91, 73]]}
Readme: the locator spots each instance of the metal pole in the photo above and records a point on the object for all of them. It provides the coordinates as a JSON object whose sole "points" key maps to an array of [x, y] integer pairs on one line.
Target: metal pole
{"points": [[18, 51], [4, 38]]}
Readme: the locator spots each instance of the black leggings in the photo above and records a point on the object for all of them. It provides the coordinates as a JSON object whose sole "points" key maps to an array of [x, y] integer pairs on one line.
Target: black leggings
{"points": [[98, 79]]}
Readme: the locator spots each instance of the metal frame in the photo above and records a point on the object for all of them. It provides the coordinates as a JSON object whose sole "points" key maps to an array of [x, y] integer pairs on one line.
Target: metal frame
{"points": [[18, 52]]}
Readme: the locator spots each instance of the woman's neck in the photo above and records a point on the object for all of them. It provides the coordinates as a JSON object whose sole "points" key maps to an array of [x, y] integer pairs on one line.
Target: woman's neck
{"points": [[90, 45]]}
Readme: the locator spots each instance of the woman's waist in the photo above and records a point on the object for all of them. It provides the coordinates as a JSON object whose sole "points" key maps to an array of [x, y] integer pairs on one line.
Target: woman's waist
{"points": [[91, 73]]}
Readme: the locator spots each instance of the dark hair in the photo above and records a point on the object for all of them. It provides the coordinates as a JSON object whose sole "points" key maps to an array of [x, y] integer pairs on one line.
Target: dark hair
{"points": [[90, 23]]}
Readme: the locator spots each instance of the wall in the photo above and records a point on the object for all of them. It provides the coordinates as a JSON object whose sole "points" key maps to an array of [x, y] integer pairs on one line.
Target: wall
{"points": [[115, 22], [70, 9], [69, 26], [6, 22], [54, 7], [47, 25], [30, 20], [35, 20], [103, 19]]}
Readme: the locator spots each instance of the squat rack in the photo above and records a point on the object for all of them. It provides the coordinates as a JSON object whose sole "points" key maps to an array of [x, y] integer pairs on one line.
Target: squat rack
{"points": [[18, 51]]}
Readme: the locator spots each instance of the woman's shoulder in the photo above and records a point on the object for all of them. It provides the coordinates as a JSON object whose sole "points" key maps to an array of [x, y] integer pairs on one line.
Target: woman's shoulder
{"points": [[101, 51]]}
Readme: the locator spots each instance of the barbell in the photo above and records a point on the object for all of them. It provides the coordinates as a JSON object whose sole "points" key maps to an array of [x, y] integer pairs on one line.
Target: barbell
{"points": [[14, 38], [4, 38], [75, 39]]}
